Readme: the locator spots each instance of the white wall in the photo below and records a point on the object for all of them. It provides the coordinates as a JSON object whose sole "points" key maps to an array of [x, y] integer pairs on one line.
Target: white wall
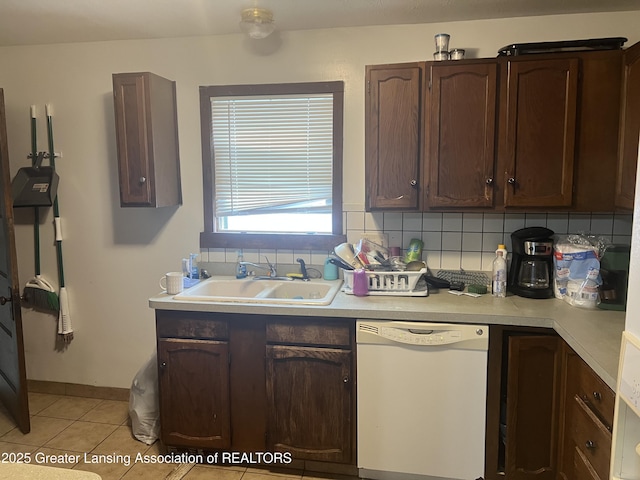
{"points": [[113, 256]]}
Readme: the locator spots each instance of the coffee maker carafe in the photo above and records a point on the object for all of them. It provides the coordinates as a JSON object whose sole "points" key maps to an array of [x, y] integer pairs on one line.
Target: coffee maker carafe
{"points": [[531, 273]]}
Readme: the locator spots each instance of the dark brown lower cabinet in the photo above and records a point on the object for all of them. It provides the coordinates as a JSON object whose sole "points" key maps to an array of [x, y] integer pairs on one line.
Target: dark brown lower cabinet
{"points": [[522, 404], [255, 383], [194, 379], [586, 423], [531, 406], [309, 402], [549, 415], [311, 389], [582, 468]]}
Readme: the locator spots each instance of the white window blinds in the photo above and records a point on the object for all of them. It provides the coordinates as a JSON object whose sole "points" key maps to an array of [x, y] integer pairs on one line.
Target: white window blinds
{"points": [[272, 154]]}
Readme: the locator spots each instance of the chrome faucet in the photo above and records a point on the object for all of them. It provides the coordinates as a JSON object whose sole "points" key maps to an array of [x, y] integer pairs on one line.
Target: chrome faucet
{"points": [[271, 268]]}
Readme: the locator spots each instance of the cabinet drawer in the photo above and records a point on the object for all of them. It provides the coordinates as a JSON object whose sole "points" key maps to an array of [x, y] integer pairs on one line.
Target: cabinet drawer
{"points": [[582, 468], [596, 394], [190, 325], [299, 332], [591, 438]]}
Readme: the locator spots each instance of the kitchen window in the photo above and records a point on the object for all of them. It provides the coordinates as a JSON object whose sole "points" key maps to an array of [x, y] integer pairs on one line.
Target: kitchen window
{"points": [[272, 165]]}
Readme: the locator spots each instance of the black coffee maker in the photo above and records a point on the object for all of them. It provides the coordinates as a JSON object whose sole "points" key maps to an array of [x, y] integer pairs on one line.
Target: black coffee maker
{"points": [[531, 273]]}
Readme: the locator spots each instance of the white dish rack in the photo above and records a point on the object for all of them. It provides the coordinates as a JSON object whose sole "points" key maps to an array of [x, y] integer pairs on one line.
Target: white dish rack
{"points": [[389, 283]]}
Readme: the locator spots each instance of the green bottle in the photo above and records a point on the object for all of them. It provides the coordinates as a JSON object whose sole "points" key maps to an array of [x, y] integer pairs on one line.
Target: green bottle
{"points": [[414, 252]]}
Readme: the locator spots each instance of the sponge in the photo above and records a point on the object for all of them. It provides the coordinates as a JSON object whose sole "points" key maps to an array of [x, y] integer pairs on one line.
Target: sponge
{"points": [[477, 289]]}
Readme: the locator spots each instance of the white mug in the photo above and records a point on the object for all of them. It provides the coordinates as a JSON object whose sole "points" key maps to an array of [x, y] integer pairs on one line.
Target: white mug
{"points": [[173, 282]]}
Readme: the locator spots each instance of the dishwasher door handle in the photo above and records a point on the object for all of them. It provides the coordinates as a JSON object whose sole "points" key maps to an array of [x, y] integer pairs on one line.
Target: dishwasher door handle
{"points": [[422, 334]]}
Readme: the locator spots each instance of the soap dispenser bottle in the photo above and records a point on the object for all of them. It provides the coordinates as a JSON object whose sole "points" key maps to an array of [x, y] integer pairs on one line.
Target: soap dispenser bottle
{"points": [[241, 269], [193, 266]]}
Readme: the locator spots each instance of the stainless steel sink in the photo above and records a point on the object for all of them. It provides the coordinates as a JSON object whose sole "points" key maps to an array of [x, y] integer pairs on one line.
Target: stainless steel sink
{"points": [[229, 289]]}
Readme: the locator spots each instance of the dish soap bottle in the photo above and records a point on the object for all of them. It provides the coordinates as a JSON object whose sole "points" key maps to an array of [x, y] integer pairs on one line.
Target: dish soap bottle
{"points": [[241, 269], [499, 276]]}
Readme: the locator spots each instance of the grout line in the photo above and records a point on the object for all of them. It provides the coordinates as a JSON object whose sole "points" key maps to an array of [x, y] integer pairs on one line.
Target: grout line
{"points": [[389, 221], [180, 471]]}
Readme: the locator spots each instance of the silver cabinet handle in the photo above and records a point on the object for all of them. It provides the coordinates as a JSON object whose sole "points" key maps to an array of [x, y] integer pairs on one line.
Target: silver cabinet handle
{"points": [[345, 379], [413, 183], [590, 444], [489, 181], [597, 396], [511, 181], [142, 179]]}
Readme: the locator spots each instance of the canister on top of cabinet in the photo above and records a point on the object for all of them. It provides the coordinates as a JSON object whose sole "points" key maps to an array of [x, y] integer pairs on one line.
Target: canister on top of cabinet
{"points": [[457, 54]]}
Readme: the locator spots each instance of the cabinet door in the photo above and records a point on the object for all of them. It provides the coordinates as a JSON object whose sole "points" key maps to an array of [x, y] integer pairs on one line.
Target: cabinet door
{"points": [[134, 134], [393, 140], [531, 407], [597, 131], [629, 129], [193, 378], [461, 135], [147, 140], [309, 395], [540, 132]]}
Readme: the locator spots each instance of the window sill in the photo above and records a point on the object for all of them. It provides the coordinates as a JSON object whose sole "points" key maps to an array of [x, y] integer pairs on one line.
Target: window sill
{"points": [[275, 241]]}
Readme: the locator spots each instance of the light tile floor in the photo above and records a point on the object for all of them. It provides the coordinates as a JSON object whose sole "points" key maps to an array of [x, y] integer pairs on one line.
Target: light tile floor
{"points": [[82, 432]]}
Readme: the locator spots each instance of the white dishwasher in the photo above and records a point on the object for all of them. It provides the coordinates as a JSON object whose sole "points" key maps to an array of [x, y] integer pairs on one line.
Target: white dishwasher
{"points": [[421, 400]]}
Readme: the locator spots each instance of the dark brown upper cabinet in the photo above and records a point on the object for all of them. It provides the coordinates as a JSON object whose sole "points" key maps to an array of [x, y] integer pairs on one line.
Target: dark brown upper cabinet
{"points": [[147, 140], [393, 139], [461, 129], [597, 131], [539, 134], [629, 129], [561, 152]]}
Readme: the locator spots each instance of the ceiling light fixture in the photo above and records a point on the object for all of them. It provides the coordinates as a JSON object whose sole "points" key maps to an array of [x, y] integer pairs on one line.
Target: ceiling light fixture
{"points": [[257, 22]]}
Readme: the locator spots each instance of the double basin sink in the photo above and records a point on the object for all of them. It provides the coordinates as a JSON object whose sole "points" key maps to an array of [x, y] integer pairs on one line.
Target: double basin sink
{"points": [[284, 292]]}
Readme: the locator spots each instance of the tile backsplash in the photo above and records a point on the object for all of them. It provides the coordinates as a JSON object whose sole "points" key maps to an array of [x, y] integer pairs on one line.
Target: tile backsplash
{"points": [[451, 240]]}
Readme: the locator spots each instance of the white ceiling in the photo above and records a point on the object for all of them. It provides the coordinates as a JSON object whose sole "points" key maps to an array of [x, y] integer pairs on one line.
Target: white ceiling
{"points": [[30, 22]]}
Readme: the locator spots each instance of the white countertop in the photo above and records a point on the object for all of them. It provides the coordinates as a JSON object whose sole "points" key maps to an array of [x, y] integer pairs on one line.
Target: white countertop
{"points": [[594, 334]]}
